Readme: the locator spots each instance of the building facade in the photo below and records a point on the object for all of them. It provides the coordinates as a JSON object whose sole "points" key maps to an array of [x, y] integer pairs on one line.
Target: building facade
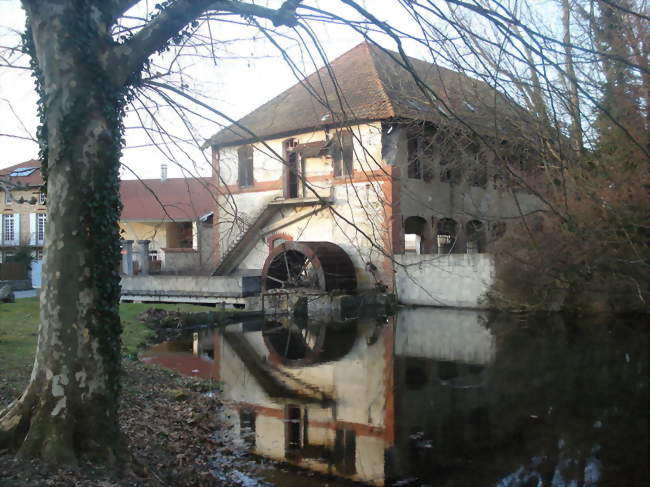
{"points": [[23, 210], [172, 215], [360, 156]]}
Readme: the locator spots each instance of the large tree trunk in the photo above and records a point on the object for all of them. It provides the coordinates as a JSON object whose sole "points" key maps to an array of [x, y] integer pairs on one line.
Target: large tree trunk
{"points": [[70, 404]]}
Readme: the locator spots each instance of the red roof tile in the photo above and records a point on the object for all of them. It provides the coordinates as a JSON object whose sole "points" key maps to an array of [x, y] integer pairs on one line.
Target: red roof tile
{"points": [[175, 199], [370, 83], [145, 199]]}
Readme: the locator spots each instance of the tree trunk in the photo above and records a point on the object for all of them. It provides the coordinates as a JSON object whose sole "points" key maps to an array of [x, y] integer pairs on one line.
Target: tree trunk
{"points": [[573, 99], [70, 404]]}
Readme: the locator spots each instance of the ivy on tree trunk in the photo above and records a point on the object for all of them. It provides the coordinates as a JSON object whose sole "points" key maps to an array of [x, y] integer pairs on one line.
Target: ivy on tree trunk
{"points": [[84, 78]]}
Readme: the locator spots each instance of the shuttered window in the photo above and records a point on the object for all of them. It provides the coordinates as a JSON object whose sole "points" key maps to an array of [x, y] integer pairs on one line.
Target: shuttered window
{"points": [[9, 232], [40, 227]]}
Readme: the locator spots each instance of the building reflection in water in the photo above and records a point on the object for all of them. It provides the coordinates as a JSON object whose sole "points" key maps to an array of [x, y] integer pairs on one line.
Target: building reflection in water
{"points": [[436, 395]]}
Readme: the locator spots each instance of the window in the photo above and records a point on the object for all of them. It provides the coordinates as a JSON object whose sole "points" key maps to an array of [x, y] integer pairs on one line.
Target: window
{"points": [[22, 171], [416, 235], [247, 427], [475, 232], [414, 159], [40, 227], [345, 448], [8, 228], [342, 152], [293, 428], [446, 235], [41, 198], [8, 198], [245, 165]]}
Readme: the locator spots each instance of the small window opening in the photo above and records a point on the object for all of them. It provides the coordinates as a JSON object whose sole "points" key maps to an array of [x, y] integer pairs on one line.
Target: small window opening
{"points": [[475, 231], [40, 227], [247, 427], [414, 235], [245, 166], [446, 235], [293, 170], [415, 377], [414, 158], [342, 152], [345, 446], [478, 176], [293, 428], [447, 370]]}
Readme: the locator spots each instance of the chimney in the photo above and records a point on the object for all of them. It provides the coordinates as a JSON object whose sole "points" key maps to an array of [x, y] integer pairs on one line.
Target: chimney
{"points": [[163, 173]]}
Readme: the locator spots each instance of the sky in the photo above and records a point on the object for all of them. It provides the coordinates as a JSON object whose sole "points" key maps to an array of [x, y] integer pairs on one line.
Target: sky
{"points": [[249, 73]]}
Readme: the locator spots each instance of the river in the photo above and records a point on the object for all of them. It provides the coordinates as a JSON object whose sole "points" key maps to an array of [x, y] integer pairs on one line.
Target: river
{"points": [[433, 397]]}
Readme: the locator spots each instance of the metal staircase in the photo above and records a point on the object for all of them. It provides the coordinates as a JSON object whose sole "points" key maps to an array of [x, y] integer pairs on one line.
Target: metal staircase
{"points": [[242, 245]]}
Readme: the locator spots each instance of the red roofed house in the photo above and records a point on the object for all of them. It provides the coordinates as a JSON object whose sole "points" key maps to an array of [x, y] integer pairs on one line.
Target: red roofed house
{"points": [[22, 209], [174, 214]]}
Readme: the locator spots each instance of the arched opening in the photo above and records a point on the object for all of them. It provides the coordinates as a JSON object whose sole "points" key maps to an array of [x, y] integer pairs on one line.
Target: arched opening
{"points": [[416, 236], [447, 235], [476, 241]]}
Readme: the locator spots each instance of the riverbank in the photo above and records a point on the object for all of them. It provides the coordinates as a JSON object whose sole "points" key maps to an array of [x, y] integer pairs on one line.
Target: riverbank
{"points": [[168, 421]]}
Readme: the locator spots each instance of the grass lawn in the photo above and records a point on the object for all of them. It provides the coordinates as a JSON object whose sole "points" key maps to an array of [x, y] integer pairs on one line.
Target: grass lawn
{"points": [[19, 328]]}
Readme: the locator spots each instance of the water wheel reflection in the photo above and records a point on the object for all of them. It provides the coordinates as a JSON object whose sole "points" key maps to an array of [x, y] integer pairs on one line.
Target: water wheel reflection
{"points": [[298, 343]]}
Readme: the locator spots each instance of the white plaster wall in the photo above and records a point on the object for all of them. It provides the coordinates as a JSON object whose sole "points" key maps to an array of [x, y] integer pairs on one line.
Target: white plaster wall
{"points": [[356, 381], [369, 459], [269, 437], [454, 335], [239, 385], [267, 164], [455, 280], [355, 223], [359, 228]]}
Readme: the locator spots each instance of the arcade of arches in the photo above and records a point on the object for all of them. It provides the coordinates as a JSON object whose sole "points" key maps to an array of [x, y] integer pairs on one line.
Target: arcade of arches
{"points": [[448, 236]]}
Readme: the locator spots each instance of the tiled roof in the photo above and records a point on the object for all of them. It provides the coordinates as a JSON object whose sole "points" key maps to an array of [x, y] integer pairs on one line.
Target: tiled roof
{"points": [[24, 176], [175, 199], [370, 83], [145, 199]]}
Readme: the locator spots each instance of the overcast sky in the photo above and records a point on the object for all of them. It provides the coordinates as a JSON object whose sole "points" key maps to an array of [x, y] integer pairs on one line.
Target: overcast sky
{"points": [[248, 74]]}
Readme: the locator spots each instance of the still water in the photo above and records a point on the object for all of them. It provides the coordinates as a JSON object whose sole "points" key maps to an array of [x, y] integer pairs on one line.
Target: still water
{"points": [[433, 397]]}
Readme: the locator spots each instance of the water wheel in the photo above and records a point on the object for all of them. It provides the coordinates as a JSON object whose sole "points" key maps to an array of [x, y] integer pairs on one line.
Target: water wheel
{"points": [[313, 265]]}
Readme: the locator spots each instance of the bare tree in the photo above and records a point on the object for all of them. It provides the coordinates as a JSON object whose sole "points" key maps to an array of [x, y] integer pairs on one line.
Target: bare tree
{"points": [[94, 59]]}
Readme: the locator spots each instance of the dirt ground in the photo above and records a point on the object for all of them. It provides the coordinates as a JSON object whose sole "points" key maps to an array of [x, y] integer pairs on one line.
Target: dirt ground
{"points": [[168, 422]]}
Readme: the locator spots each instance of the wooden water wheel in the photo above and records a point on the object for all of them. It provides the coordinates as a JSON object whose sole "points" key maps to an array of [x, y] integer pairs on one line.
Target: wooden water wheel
{"points": [[313, 265]]}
